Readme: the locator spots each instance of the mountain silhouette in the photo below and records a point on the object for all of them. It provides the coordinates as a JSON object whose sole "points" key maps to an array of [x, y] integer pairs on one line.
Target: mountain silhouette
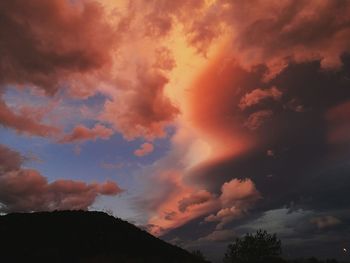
{"points": [[79, 236]]}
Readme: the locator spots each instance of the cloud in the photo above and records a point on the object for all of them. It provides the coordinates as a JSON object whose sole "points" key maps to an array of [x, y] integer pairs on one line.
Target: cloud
{"points": [[161, 16], [164, 59], [257, 96], [325, 221], [213, 100], [236, 191], [257, 119], [25, 122], [176, 205], [295, 105], [270, 153], [142, 110], [144, 149], [338, 124], [9, 160], [182, 202], [196, 198], [275, 33], [220, 236], [237, 197], [33, 55], [26, 190], [306, 172], [246, 44], [81, 133]]}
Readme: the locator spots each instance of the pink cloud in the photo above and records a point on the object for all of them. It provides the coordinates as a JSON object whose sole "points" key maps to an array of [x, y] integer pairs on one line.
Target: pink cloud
{"points": [[9, 159], [338, 124], [26, 190], [178, 204], [258, 95], [144, 149], [237, 197], [82, 133], [257, 119], [260, 32], [325, 221], [142, 110], [236, 191], [27, 121], [196, 198], [164, 59], [82, 42], [184, 202]]}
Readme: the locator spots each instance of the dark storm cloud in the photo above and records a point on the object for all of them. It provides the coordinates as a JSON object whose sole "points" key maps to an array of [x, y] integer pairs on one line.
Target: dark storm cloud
{"points": [[306, 172], [303, 169]]}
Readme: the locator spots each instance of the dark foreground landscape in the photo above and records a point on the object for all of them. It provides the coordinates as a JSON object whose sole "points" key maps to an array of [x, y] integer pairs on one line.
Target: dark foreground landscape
{"points": [[89, 237], [86, 237]]}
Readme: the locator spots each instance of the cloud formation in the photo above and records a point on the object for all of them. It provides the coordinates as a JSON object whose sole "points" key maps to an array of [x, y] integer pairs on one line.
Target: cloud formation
{"points": [[81, 133], [178, 204], [145, 149], [257, 119], [248, 86], [237, 197], [338, 124], [219, 236], [183, 202], [25, 122], [33, 55], [257, 96], [26, 190], [142, 110], [274, 33], [325, 221]]}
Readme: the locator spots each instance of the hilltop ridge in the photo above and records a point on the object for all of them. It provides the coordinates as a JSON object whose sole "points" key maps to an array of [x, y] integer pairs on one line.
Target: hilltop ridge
{"points": [[79, 236]]}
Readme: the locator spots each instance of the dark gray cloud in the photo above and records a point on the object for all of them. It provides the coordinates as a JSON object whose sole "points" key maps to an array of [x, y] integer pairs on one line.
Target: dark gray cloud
{"points": [[307, 174]]}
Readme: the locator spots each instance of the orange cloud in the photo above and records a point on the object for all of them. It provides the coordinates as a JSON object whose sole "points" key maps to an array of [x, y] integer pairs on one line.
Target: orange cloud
{"points": [[257, 119], [82, 133], [274, 32], [258, 95], [325, 221], [238, 190], [26, 190], [9, 160], [144, 149], [236, 199], [179, 205], [212, 104], [33, 55], [196, 198], [142, 110], [185, 202], [25, 122], [338, 123]]}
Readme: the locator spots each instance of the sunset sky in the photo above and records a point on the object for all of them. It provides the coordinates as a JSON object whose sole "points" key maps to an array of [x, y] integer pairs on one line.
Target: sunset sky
{"points": [[198, 120]]}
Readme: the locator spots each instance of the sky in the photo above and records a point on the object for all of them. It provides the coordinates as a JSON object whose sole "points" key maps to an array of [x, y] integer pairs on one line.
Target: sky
{"points": [[197, 120]]}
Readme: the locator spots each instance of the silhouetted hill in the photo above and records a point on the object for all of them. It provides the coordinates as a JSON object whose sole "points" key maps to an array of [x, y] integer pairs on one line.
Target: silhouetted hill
{"points": [[77, 236]]}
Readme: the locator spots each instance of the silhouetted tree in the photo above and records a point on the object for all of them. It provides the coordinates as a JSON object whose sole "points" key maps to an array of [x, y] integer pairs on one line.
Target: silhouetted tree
{"points": [[254, 248], [313, 260], [198, 254]]}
